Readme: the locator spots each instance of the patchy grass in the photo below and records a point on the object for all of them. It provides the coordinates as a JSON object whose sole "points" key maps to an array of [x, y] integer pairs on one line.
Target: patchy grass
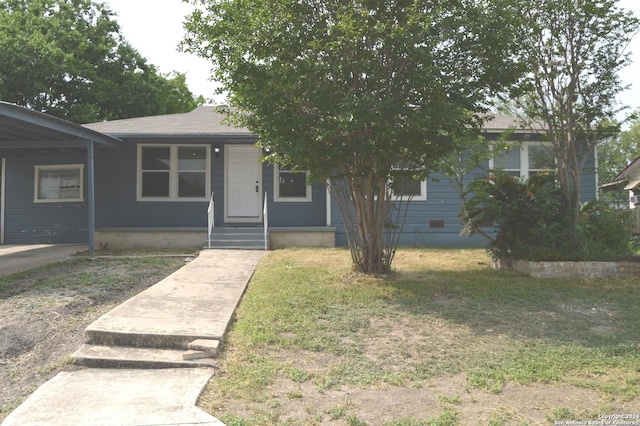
{"points": [[44, 312], [443, 340]]}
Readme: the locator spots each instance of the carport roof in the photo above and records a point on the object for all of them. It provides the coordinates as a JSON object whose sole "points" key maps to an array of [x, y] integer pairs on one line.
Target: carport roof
{"points": [[24, 128]]}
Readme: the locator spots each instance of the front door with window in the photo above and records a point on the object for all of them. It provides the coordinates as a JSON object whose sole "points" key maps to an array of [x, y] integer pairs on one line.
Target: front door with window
{"points": [[244, 184]]}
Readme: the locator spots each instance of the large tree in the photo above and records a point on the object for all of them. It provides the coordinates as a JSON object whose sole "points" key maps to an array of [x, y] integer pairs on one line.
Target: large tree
{"points": [[68, 58], [358, 92], [574, 50]]}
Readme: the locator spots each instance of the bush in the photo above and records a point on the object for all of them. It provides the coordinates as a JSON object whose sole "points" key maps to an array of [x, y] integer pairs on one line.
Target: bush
{"points": [[530, 221], [604, 233]]}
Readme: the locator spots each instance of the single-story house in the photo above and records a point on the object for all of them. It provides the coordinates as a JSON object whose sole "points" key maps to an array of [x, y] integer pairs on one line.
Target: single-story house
{"points": [[166, 180]]}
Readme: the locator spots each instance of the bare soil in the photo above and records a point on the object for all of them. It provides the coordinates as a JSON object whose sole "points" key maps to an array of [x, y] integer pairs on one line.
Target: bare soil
{"points": [[447, 400], [44, 314]]}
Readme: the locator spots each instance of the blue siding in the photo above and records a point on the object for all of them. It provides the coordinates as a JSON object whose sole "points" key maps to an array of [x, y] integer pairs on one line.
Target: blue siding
{"points": [[27, 222], [443, 205], [104, 163], [282, 213], [116, 204], [588, 184], [125, 211]]}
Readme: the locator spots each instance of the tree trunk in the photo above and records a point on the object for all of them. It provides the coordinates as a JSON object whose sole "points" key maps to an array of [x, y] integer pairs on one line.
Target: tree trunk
{"points": [[370, 215]]}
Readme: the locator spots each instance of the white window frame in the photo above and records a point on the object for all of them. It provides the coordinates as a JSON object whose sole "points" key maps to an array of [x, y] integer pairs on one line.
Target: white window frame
{"points": [[524, 159], [421, 197], [66, 167], [174, 173], [276, 187]]}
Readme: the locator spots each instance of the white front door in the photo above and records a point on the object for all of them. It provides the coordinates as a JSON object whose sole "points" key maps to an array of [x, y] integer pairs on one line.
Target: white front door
{"points": [[244, 183]]}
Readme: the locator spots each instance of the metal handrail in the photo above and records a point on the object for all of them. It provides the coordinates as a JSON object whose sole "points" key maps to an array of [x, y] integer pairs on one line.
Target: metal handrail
{"points": [[265, 219], [210, 218]]}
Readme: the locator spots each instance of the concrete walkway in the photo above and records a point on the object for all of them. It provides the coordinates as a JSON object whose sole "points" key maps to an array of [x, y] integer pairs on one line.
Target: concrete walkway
{"points": [[16, 258], [155, 330]]}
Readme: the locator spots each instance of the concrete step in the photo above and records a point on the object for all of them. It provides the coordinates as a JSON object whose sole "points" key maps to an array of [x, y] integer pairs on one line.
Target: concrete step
{"points": [[205, 345], [103, 337], [247, 238], [120, 357]]}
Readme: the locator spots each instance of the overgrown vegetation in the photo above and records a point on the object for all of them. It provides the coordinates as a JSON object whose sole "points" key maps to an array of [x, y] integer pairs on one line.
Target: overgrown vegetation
{"points": [[531, 221], [443, 340]]}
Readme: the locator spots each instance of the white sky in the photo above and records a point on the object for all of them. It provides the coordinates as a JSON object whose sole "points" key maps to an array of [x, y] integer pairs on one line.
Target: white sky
{"points": [[154, 28]]}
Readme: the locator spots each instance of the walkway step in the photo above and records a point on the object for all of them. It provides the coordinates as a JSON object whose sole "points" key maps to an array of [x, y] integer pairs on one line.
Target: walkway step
{"points": [[204, 345], [120, 357], [102, 337]]}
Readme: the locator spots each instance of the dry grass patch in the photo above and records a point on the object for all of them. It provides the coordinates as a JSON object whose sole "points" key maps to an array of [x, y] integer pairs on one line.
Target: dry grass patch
{"points": [[444, 339], [44, 312]]}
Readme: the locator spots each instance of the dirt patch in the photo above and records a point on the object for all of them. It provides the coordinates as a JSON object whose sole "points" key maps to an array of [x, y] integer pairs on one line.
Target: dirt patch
{"points": [[448, 396], [306, 393], [43, 316]]}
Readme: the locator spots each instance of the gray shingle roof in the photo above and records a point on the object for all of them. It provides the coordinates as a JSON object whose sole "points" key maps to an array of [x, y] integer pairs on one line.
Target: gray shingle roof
{"points": [[501, 122], [204, 120]]}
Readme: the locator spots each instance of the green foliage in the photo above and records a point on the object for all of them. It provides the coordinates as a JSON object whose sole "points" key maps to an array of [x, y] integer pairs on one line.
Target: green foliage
{"points": [[531, 221], [604, 233], [615, 155], [350, 90], [68, 59], [573, 50]]}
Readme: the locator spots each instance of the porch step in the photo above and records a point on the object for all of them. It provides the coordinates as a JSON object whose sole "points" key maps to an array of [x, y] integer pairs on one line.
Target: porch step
{"points": [[240, 237], [95, 356]]}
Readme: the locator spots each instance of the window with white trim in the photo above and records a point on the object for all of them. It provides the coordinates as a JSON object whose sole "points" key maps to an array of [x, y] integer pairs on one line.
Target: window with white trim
{"points": [[525, 161], [406, 187], [291, 185], [59, 183], [173, 172]]}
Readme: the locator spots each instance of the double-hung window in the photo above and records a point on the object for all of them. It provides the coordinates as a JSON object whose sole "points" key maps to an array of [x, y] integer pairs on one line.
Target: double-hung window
{"points": [[59, 183], [291, 185], [524, 161], [174, 172]]}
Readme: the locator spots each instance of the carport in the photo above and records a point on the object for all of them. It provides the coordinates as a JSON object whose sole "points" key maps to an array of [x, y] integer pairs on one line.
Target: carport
{"points": [[24, 130]]}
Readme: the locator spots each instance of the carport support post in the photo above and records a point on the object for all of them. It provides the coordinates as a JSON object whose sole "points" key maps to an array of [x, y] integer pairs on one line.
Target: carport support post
{"points": [[92, 200]]}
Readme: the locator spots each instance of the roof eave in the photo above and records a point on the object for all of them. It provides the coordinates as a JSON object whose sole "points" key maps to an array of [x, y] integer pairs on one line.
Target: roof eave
{"points": [[48, 122]]}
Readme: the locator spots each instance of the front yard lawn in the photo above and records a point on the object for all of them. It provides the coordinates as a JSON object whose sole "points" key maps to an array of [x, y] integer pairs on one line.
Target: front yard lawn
{"points": [[443, 340]]}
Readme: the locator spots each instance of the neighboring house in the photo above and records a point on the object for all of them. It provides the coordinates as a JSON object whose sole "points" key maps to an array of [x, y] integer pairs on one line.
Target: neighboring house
{"points": [[149, 181], [629, 180]]}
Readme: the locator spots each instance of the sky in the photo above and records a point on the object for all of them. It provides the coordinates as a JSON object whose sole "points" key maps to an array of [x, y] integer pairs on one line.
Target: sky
{"points": [[155, 28]]}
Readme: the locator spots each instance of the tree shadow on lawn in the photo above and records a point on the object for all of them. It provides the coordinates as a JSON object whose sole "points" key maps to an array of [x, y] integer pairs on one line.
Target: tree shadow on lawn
{"points": [[593, 313]]}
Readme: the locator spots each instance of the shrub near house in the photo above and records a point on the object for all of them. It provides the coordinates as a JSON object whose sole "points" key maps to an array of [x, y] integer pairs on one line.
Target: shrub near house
{"points": [[532, 222]]}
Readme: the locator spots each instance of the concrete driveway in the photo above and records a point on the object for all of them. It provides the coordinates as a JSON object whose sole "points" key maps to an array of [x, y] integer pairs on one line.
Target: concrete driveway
{"points": [[16, 258]]}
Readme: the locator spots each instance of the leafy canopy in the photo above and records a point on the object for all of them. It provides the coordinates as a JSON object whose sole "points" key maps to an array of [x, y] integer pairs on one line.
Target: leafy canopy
{"points": [[359, 92], [573, 51], [364, 83], [68, 59]]}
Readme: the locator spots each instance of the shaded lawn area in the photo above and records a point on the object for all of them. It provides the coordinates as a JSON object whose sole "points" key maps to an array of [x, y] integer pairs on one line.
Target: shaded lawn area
{"points": [[445, 339]]}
